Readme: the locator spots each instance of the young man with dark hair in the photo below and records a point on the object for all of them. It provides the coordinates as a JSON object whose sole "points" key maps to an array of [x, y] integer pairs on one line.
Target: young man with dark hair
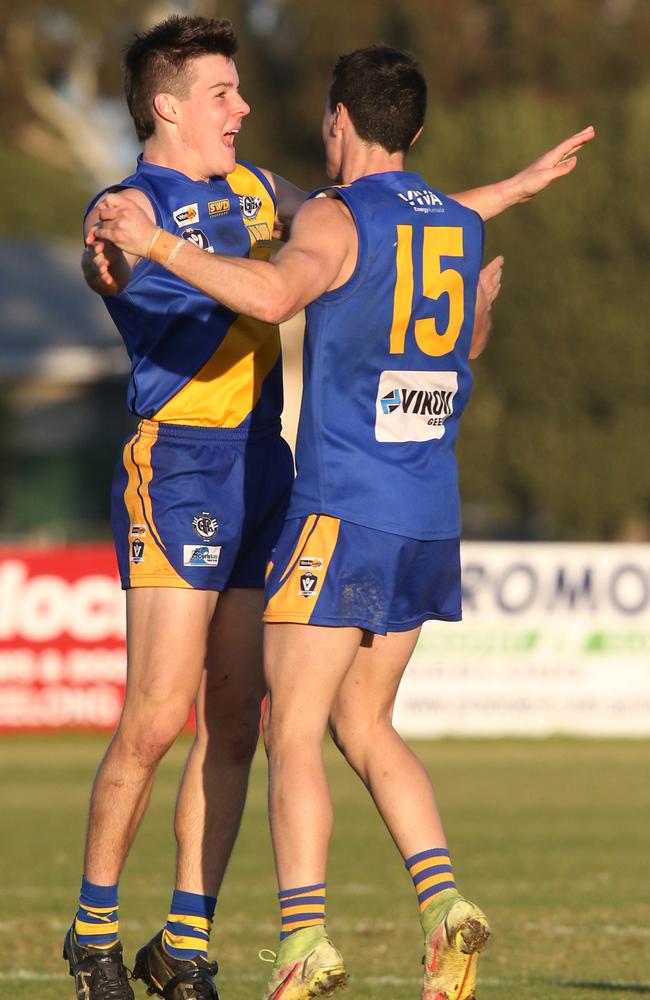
{"points": [[388, 270]]}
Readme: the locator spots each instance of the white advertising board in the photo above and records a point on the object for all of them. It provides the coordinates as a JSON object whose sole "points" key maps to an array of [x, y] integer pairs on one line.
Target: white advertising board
{"points": [[555, 638]]}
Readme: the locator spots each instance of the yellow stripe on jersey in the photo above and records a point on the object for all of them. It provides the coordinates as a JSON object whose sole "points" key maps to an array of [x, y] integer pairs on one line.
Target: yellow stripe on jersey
{"points": [[229, 385], [154, 570], [317, 541]]}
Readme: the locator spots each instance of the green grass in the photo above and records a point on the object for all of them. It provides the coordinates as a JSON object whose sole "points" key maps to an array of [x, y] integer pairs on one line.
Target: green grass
{"points": [[551, 837]]}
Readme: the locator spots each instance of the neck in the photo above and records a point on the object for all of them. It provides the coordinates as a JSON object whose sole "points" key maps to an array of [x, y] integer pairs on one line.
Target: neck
{"points": [[363, 160], [161, 154]]}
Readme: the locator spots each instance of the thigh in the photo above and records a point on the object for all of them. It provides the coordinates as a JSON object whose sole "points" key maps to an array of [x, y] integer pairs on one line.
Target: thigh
{"points": [[369, 689], [167, 634], [305, 666], [233, 686]]}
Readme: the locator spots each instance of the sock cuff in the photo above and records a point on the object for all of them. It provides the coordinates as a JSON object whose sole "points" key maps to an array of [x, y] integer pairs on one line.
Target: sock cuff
{"points": [[97, 895], [301, 890], [193, 904], [440, 853]]}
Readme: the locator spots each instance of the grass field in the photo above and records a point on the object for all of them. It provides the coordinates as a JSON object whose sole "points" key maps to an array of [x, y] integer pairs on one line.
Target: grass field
{"points": [[553, 838]]}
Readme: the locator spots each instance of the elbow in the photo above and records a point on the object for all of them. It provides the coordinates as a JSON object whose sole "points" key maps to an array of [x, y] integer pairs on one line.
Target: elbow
{"points": [[277, 308]]}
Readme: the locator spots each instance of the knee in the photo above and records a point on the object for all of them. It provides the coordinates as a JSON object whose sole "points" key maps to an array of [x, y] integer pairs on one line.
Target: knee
{"points": [[231, 728], [150, 732], [354, 735]]}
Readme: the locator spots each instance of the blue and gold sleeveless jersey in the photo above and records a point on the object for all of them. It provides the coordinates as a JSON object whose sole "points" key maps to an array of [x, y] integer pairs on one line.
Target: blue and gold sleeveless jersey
{"points": [[193, 361], [386, 371]]}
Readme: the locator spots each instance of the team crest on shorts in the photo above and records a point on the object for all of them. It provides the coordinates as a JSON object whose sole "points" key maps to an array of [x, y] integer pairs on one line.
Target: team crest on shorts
{"points": [[137, 550], [205, 525], [308, 584]]}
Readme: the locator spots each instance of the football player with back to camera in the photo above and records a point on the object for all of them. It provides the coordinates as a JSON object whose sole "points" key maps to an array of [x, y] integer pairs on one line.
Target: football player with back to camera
{"points": [[389, 271]]}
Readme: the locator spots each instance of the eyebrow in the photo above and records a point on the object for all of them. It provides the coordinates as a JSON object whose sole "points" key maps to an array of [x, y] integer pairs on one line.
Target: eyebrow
{"points": [[213, 86]]}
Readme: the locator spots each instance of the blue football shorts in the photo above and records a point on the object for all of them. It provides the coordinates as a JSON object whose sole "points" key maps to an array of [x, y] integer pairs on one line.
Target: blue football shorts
{"points": [[198, 507], [325, 571]]}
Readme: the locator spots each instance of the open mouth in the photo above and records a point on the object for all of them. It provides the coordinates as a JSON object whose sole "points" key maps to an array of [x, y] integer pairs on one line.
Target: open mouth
{"points": [[229, 137]]}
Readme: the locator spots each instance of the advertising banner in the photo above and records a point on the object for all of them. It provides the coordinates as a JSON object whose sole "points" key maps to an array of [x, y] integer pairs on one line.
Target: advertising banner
{"points": [[555, 638], [62, 638]]}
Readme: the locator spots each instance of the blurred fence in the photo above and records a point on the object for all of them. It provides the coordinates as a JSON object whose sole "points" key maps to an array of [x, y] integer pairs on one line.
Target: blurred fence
{"points": [[555, 638]]}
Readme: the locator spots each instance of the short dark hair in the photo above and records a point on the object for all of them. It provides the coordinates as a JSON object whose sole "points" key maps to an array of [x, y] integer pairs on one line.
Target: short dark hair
{"points": [[385, 93], [155, 62]]}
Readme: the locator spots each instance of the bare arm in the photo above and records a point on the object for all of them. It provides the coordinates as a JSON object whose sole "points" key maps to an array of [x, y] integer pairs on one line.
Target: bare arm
{"points": [[493, 199], [489, 286], [323, 241], [106, 268], [290, 199]]}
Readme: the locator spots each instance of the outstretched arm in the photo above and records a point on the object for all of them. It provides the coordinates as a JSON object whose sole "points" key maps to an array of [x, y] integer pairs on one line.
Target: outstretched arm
{"points": [[322, 240], [493, 199]]}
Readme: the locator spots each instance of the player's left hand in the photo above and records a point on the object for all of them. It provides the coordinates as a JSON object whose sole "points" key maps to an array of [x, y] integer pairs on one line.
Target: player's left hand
{"points": [[489, 286], [557, 162], [124, 223]]}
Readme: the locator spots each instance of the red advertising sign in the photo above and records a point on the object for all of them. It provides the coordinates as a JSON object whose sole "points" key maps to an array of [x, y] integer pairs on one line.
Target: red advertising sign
{"points": [[62, 638]]}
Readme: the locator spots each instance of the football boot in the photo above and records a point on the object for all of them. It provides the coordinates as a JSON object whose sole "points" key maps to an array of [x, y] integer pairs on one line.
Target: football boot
{"points": [[99, 973], [307, 965], [174, 978], [455, 931]]}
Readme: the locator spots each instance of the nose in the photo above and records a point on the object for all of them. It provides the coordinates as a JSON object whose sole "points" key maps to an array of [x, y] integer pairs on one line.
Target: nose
{"points": [[243, 108]]}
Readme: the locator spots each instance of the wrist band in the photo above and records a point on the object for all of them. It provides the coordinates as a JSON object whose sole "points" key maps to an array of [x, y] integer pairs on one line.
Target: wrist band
{"points": [[163, 247]]}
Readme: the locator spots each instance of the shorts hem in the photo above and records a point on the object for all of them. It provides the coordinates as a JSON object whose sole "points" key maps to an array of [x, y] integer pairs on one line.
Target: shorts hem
{"points": [[173, 583], [378, 629]]}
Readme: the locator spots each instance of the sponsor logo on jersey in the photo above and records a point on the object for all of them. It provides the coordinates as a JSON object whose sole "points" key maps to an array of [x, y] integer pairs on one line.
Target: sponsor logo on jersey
{"points": [[413, 406], [422, 201], [186, 215], [250, 206], [138, 529], [308, 584], [310, 562], [221, 207], [205, 525], [198, 238], [137, 550], [201, 555]]}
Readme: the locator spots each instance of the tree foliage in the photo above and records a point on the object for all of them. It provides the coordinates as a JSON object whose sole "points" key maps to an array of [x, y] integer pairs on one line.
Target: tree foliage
{"points": [[555, 440]]}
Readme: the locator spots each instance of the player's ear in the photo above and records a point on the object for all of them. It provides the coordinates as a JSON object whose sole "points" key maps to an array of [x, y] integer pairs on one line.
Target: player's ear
{"points": [[165, 107]]}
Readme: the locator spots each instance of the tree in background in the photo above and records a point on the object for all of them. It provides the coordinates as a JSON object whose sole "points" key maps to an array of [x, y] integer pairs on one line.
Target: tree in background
{"points": [[555, 442]]}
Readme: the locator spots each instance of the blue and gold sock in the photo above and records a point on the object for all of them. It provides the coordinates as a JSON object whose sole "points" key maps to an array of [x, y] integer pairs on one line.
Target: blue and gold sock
{"points": [[96, 922], [302, 907], [432, 874], [187, 931]]}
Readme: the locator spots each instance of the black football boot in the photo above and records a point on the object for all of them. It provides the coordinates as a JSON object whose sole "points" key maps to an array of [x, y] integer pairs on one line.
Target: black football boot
{"points": [[99, 973], [175, 978]]}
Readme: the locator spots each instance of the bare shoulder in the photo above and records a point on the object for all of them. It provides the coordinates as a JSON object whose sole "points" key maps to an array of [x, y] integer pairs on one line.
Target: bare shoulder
{"points": [[326, 211]]}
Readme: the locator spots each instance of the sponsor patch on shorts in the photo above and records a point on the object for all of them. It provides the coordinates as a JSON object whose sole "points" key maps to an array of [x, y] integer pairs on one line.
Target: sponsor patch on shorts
{"points": [[311, 562], [201, 555], [413, 406]]}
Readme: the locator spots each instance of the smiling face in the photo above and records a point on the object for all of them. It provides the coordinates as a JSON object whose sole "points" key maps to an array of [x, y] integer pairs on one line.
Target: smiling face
{"points": [[210, 117]]}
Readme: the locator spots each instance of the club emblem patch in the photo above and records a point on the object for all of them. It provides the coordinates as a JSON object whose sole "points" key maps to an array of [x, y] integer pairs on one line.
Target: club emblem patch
{"points": [[205, 525]]}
